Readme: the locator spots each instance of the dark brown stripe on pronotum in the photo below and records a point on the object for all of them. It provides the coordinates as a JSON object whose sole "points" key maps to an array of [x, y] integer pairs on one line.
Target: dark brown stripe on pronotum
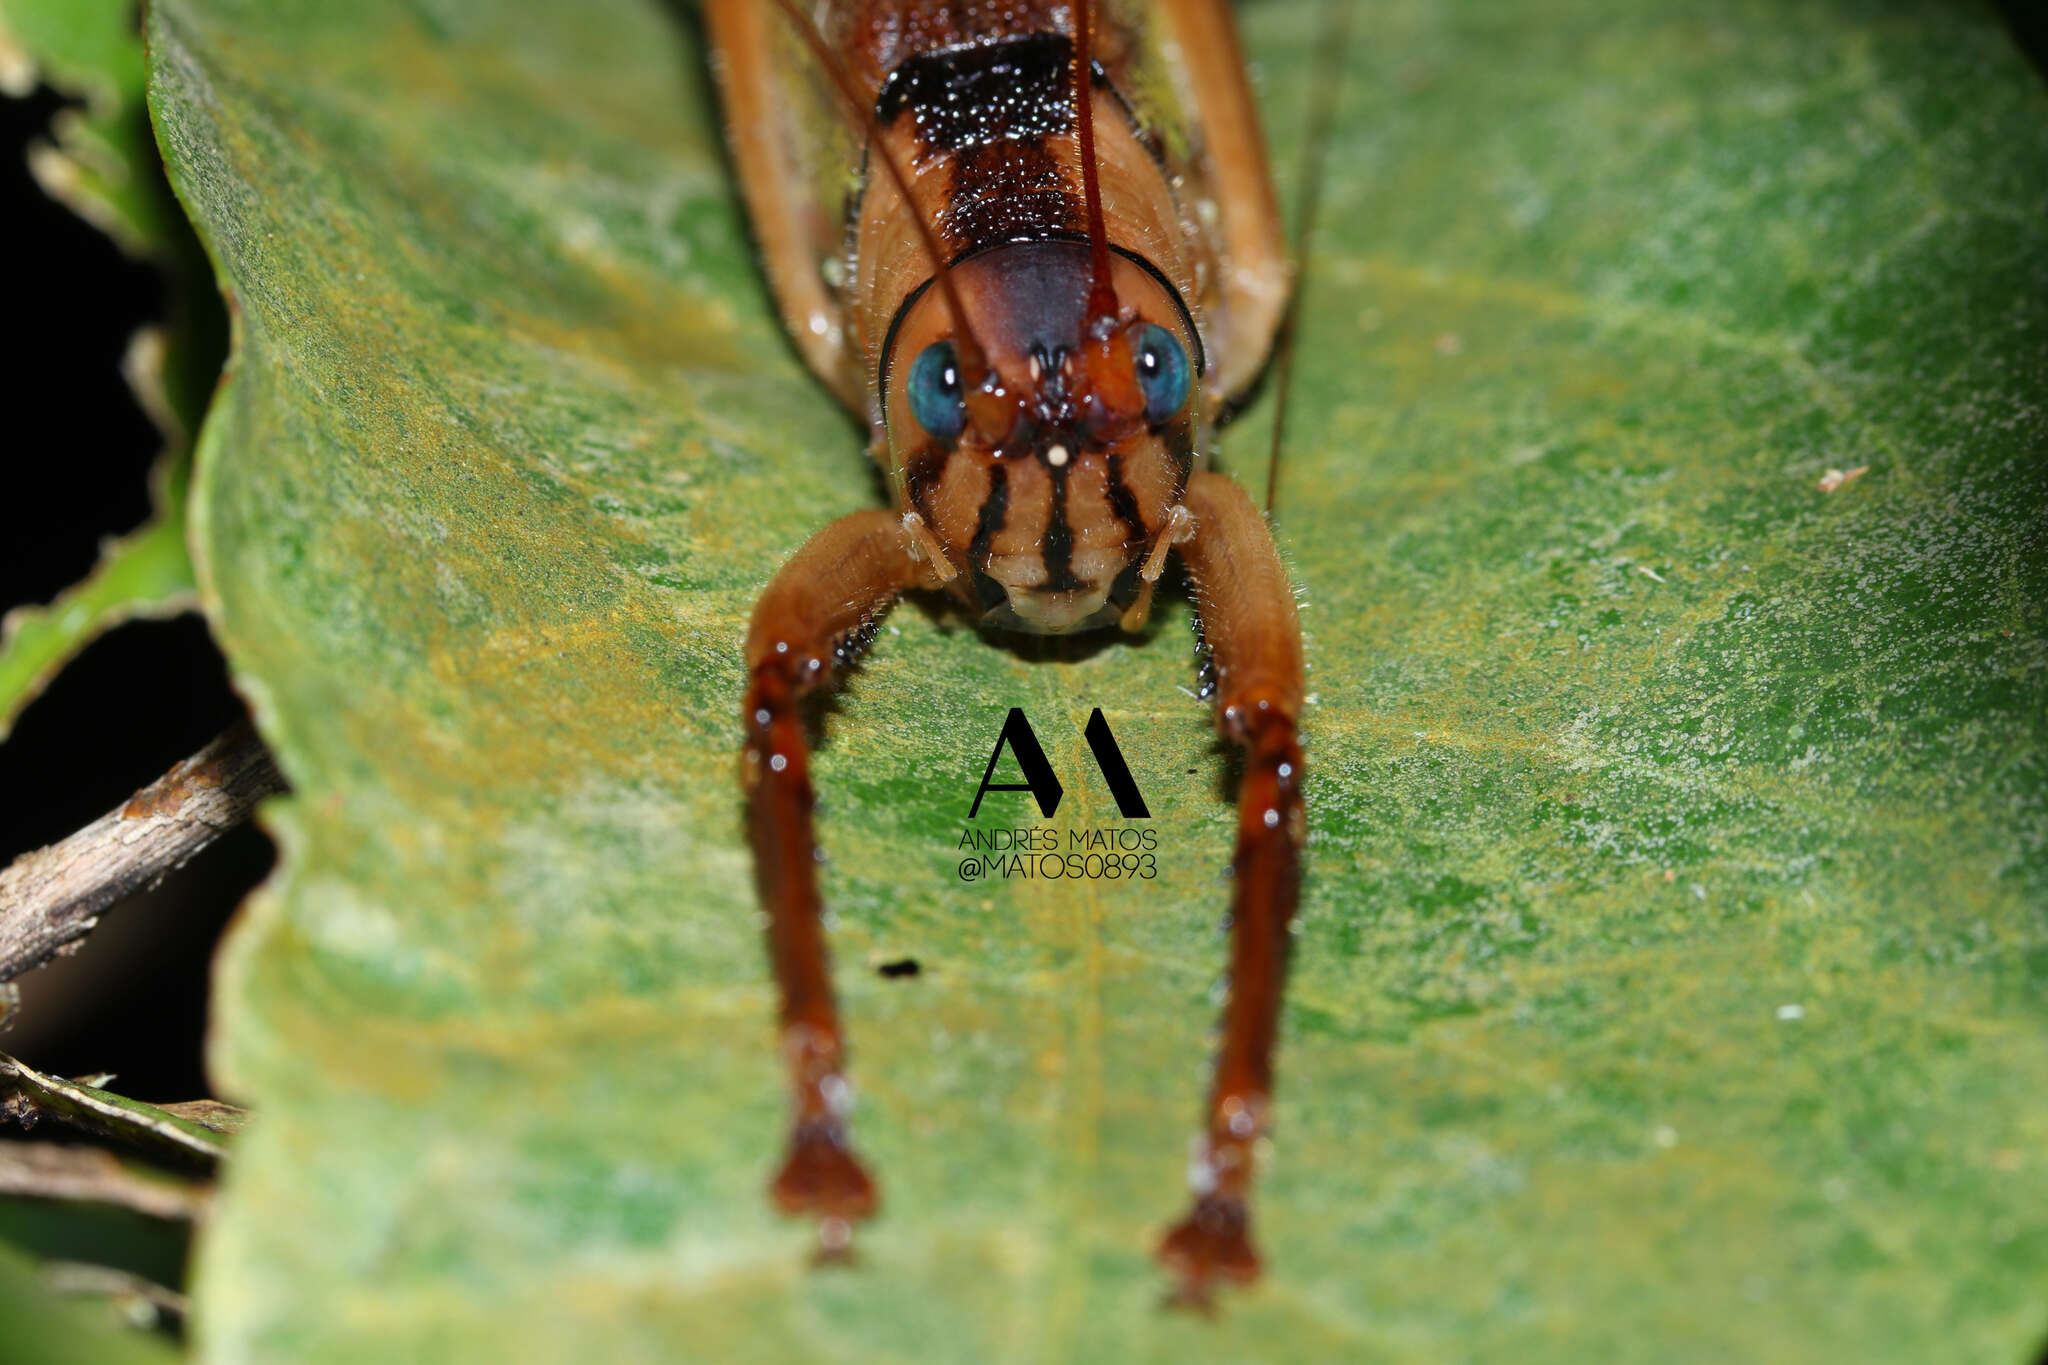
{"points": [[987, 92], [1007, 191], [990, 107]]}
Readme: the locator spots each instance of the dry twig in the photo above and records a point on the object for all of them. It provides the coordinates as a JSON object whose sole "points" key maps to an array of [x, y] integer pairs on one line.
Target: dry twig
{"points": [[50, 1170], [51, 899]]}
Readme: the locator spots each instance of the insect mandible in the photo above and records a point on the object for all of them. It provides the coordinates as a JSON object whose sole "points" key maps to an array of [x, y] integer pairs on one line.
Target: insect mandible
{"points": [[1055, 269]]}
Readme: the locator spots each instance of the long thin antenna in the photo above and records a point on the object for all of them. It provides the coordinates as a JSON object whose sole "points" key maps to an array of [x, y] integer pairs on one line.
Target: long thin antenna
{"points": [[973, 355], [1102, 293], [1309, 201]]}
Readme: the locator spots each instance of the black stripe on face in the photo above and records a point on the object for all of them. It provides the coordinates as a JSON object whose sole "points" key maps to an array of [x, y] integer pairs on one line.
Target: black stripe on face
{"points": [[1058, 547], [1123, 502], [995, 510]]}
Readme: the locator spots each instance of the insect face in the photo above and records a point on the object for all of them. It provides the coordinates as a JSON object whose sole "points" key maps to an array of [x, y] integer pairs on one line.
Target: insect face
{"points": [[1049, 481]]}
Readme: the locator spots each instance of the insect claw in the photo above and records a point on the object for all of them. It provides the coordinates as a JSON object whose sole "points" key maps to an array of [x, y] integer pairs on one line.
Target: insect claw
{"points": [[822, 1176], [1213, 1243], [1134, 616]]}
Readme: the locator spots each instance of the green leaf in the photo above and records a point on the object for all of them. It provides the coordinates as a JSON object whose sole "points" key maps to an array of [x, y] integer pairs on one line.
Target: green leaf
{"points": [[129, 1122], [1670, 979], [103, 164], [41, 1327], [146, 573]]}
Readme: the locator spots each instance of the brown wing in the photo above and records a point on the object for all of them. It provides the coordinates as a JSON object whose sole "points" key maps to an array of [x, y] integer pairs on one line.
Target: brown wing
{"points": [[796, 161], [1197, 46]]}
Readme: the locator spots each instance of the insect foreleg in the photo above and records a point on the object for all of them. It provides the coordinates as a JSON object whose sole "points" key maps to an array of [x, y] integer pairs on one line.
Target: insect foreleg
{"points": [[1248, 618], [838, 583]]}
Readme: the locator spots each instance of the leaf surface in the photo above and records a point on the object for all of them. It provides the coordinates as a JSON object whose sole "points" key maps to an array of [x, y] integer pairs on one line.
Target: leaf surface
{"points": [[1670, 978], [59, 1331]]}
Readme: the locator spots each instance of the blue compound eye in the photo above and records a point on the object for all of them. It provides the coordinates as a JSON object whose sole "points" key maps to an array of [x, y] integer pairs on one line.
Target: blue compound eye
{"points": [[1163, 373], [936, 399]]}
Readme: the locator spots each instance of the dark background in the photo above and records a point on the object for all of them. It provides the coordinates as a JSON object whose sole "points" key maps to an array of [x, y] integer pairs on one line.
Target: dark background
{"points": [[78, 453]]}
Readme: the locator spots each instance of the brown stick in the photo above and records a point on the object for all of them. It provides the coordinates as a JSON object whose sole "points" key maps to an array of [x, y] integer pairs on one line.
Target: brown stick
{"points": [[139, 1300], [49, 1170], [52, 898]]}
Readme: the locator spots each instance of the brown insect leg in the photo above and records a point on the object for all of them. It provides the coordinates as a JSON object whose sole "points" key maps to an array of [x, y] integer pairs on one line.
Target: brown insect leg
{"points": [[837, 583], [1248, 618]]}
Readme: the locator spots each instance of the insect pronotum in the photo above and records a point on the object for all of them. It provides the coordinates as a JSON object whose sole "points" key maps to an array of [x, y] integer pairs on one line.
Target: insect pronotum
{"points": [[1058, 262]]}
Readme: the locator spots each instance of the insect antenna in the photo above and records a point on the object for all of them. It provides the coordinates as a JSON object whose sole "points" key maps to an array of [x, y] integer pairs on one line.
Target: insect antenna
{"points": [[973, 355], [1101, 294], [1308, 199]]}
